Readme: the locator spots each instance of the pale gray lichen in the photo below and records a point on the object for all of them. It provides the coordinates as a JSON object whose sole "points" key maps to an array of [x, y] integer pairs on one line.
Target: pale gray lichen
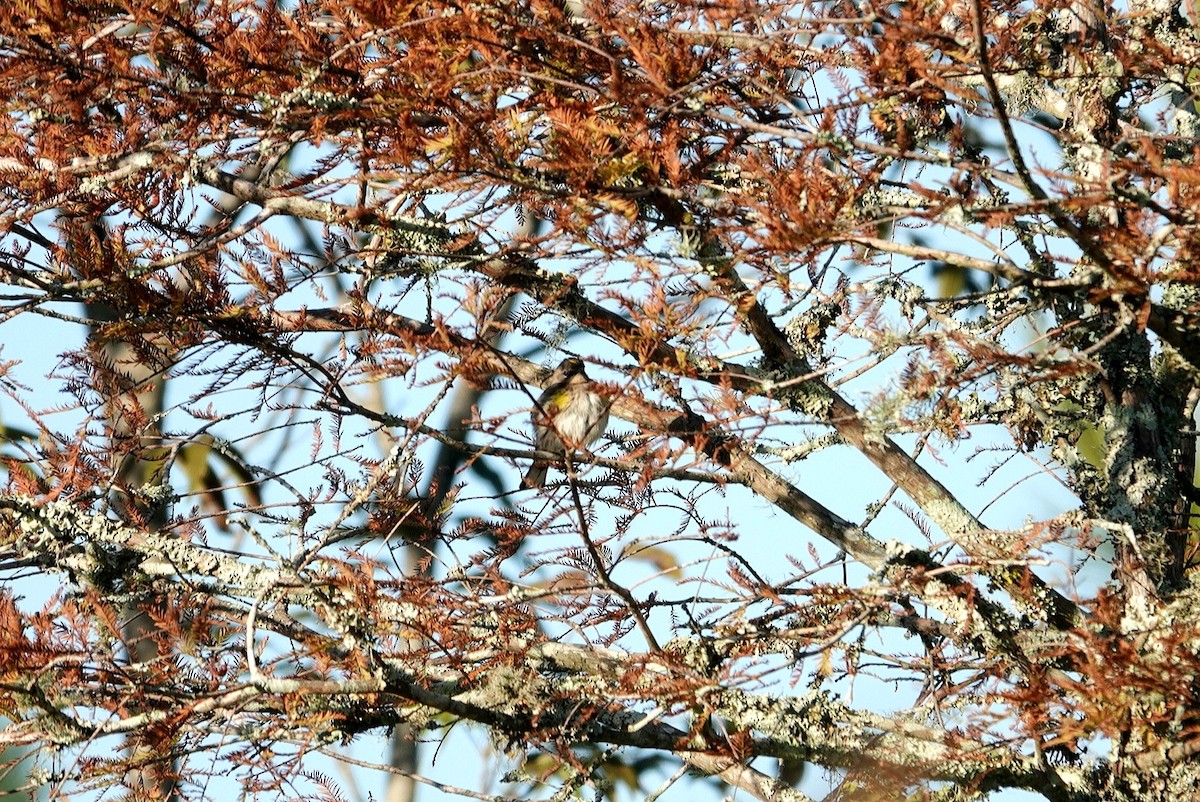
{"points": [[896, 550], [1022, 93]]}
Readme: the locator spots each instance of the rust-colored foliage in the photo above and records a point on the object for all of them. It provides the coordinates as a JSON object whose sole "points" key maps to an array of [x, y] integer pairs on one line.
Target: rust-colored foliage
{"points": [[281, 284]]}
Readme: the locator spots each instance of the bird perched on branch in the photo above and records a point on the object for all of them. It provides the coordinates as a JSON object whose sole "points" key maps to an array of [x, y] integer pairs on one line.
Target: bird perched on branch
{"points": [[568, 414]]}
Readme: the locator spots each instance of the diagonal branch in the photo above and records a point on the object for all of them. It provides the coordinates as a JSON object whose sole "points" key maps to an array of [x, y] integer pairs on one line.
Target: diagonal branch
{"points": [[562, 293]]}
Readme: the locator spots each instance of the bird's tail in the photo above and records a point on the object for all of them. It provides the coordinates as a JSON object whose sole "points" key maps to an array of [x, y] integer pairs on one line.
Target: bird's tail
{"points": [[536, 477]]}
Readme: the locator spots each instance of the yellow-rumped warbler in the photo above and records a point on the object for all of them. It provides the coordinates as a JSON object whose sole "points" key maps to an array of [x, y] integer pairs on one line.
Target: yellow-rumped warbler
{"points": [[568, 414]]}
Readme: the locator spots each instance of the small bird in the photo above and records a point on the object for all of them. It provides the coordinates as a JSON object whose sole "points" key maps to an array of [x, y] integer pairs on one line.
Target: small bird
{"points": [[568, 414]]}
